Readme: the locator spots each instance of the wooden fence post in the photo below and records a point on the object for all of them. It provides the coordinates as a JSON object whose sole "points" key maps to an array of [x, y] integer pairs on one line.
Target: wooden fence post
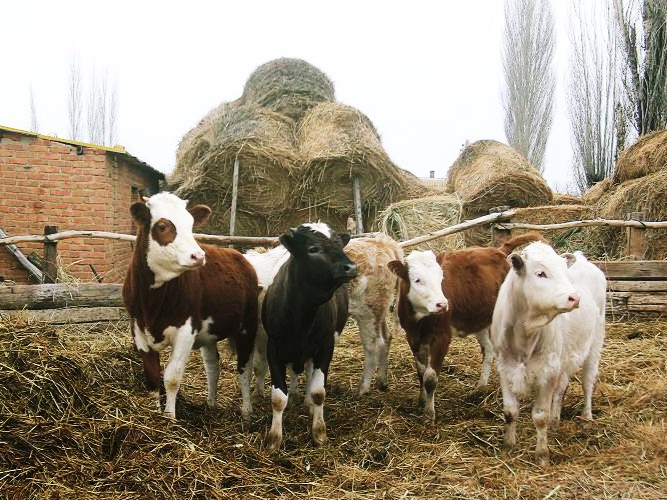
{"points": [[635, 238], [235, 189], [499, 234], [357, 204], [50, 271]]}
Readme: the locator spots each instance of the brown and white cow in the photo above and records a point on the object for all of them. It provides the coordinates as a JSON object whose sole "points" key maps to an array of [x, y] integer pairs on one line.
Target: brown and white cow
{"points": [[183, 295], [548, 322], [455, 291], [372, 294]]}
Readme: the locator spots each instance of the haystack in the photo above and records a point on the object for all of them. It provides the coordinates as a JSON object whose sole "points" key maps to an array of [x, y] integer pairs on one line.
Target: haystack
{"points": [[263, 142], [288, 86], [336, 144], [646, 194], [408, 219], [646, 156], [596, 191], [488, 174]]}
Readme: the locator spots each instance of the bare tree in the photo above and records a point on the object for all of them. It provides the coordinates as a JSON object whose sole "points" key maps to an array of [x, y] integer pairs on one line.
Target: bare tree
{"points": [[112, 116], [93, 121], [527, 57], [33, 113], [75, 100], [102, 110], [643, 28], [595, 109]]}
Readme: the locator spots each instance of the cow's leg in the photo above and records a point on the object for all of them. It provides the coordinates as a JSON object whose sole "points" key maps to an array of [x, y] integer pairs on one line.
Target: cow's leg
{"points": [[510, 411], [245, 344], [369, 334], [383, 356], [541, 411], [279, 397], [557, 400], [173, 373], [484, 340], [211, 358], [308, 397], [589, 377], [151, 361], [259, 361], [438, 348], [421, 354], [318, 394]]}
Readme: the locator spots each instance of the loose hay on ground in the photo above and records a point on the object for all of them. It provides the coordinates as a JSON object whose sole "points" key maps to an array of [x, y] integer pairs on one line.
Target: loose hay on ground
{"points": [[115, 444]]}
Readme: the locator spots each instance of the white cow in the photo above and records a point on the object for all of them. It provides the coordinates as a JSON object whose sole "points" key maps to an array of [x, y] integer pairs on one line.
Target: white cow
{"points": [[548, 322]]}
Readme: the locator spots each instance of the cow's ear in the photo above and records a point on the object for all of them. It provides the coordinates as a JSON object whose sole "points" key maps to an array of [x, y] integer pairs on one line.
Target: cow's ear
{"points": [[345, 238], [140, 213], [200, 213], [570, 258], [287, 239], [516, 261], [399, 269]]}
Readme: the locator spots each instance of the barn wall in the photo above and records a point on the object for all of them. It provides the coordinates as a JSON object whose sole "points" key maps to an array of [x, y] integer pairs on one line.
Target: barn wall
{"points": [[44, 182]]}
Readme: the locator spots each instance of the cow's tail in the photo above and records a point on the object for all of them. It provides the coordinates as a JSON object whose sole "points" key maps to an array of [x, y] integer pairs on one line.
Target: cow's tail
{"points": [[522, 240]]}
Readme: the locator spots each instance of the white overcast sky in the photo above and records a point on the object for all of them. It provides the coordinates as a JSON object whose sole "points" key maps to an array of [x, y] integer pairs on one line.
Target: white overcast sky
{"points": [[427, 73]]}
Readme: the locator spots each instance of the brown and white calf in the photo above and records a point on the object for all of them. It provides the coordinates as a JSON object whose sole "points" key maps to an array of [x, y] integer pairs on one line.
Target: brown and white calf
{"points": [[372, 293], [186, 296], [548, 322], [452, 292]]}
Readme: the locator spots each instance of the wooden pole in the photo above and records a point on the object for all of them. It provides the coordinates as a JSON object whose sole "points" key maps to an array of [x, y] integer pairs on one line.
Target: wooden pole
{"points": [[635, 237], [50, 271], [356, 189], [235, 189], [499, 233]]}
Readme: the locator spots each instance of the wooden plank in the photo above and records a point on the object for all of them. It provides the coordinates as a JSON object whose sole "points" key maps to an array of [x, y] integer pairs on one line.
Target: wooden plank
{"points": [[634, 270], [69, 315], [54, 296], [648, 302], [23, 260], [637, 286]]}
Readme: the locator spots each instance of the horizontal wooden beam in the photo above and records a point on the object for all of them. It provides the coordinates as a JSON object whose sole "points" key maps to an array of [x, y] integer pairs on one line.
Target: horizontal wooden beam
{"points": [[55, 296], [634, 269]]}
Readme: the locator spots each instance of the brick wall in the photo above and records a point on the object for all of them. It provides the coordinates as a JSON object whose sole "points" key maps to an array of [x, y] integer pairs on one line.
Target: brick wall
{"points": [[44, 182]]}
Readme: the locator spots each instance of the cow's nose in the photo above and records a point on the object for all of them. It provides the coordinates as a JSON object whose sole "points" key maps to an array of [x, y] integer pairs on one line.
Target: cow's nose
{"points": [[441, 306], [198, 258], [573, 300], [350, 269]]}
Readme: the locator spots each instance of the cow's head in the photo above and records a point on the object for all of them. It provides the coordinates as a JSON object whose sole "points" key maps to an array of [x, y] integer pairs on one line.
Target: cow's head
{"points": [[318, 252], [166, 225], [543, 280], [422, 280]]}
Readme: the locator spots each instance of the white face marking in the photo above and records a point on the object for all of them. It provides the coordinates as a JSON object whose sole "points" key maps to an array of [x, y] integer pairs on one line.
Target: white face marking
{"points": [[426, 277], [170, 261], [320, 227]]}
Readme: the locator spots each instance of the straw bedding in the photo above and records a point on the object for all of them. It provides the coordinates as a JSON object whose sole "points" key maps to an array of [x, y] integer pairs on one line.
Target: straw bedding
{"points": [[78, 423]]}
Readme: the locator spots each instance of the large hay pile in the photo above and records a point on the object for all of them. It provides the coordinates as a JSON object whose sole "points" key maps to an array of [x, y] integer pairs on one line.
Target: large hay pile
{"points": [[77, 422], [287, 178], [489, 174], [288, 86], [408, 219], [336, 144], [263, 142], [646, 156]]}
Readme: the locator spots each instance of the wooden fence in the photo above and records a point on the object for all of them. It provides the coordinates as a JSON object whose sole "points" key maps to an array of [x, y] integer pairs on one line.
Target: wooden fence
{"points": [[635, 286]]}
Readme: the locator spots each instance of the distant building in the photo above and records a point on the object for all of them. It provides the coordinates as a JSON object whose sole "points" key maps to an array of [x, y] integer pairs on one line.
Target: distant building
{"points": [[49, 181], [437, 183]]}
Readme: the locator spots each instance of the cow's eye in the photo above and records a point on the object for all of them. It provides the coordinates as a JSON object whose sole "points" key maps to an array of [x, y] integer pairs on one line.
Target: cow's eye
{"points": [[418, 280], [161, 227], [313, 250], [541, 274]]}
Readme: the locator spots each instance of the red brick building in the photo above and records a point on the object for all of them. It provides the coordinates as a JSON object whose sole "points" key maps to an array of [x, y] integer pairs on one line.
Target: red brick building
{"points": [[48, 181]]}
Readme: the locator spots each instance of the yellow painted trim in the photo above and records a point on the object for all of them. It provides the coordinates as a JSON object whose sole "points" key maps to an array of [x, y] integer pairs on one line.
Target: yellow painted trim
{"points": [[112, 149]]}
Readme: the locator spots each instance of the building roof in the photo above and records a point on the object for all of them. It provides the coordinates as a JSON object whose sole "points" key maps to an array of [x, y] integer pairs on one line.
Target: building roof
{"points": [[115, 150]]}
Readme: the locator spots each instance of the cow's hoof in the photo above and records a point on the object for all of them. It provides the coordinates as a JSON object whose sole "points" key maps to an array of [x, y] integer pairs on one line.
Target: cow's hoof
{"points": [[170, 415], [319, 435], [272, 443], [542, 458], [382, 385]]}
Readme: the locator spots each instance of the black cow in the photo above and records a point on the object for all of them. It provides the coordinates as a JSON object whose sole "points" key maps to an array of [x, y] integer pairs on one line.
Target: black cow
{"points": [[304, 309]]}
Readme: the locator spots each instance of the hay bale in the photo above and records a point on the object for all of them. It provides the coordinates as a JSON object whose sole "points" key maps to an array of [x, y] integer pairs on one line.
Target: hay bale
{"points": [[586, 239], [408, 219], [336, 144], [646, 194], [263, 142], [646, 156], [596, 191], [488, 174], [566, 199], [288, 86]]}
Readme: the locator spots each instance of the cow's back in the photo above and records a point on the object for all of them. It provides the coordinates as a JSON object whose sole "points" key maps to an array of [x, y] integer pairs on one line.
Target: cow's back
{"points": [[229, 290], [472, 279]]}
